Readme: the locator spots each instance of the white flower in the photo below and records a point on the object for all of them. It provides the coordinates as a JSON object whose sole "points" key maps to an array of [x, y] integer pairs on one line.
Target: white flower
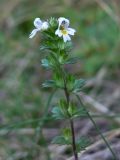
{"points": [[39, 25], [64, 30]]}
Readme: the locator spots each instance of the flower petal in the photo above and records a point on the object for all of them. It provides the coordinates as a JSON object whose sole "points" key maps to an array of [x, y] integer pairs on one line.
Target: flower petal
{"points": [[71, 31], [38, 23], [45, 26], [63, 21], [58, 32], [33, 33], [66, 38]]}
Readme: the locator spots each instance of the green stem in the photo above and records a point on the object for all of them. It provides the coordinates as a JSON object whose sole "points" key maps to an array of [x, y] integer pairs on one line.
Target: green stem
{"points": [[73, 140], [61, 69], [71, 121], [97, 128]]}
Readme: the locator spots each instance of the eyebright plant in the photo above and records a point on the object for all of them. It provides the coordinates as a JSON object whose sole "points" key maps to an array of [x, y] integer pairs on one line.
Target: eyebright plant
{"points": [[56, 41]]}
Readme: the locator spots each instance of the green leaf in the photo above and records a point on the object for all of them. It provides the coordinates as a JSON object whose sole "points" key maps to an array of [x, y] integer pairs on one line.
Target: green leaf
{"points": [[68, 46], [72, 110], [60, 140], [61, 45], [61, 111], [70, 81], [67, 133], [64, 107], [52, 59], [45, 63], [49, 84], [75, 112], [80, 112], [57, 113], [43, 47], [62, 57], [53, 23], [78, 85], [65, 138], [58, 80], [72, 60], [82, 143]]}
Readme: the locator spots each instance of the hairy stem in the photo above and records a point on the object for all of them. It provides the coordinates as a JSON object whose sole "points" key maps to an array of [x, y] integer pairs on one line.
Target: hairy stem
{"points": [[71, 123], [67, 95], [73, 140]]}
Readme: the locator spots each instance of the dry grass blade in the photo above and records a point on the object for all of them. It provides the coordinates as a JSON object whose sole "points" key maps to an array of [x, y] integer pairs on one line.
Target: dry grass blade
{"points": [[48, 133], [95, 106], [98, 150]]}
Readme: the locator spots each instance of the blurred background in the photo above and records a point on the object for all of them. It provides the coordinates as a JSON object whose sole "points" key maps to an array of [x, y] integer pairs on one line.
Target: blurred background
{"points": [[25, 133]]}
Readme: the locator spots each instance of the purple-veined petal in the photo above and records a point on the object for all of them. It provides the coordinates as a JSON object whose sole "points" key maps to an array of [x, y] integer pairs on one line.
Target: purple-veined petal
{"points": [[63, 21], [66, 38], [71, 31], [58, 32], [44, 26], [38, 23], [33, 33]]}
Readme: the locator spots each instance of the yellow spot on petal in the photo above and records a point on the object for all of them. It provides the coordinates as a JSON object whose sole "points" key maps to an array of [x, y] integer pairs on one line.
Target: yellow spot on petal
{"points": [[64, 32]]}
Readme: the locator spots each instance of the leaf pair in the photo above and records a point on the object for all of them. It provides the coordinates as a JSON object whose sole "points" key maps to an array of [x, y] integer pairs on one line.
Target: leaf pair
{"points": [[64, 139], [63, 111]]}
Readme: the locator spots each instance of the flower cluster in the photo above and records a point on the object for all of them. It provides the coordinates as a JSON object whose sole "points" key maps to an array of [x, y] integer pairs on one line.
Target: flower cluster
{"points": [[63, 29]]}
